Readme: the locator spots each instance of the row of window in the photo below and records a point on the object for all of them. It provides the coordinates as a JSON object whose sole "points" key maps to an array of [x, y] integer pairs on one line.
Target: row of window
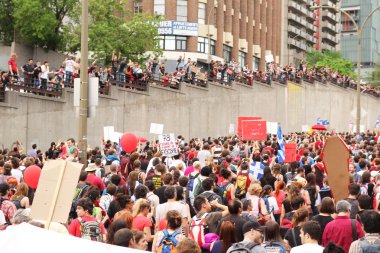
{"points": [[159, 9], [176, 43]]}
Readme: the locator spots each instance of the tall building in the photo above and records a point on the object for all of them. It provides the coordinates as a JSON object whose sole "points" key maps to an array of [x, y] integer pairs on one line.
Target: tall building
{"points": [[244, 30], [359, 10], [305, 28]]}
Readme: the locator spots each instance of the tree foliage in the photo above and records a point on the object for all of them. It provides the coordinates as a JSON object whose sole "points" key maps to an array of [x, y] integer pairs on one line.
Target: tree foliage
{"points": [[6, 21], [332, 59], [55, 25], [374, 77], [42, 22]]}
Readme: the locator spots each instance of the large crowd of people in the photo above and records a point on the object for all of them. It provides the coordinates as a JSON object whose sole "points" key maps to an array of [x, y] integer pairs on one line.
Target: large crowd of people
{"points": [[123, 72], [216, 195]]}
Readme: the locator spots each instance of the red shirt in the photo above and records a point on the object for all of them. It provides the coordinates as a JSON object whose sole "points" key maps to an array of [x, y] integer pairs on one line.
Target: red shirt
{"points": [[75, 226], [13, 65], [95, 181], [141, 222], [339, 231]]}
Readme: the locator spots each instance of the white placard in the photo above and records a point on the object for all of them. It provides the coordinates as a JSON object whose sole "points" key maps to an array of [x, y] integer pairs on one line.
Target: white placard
{"points": [[156, 128], [269, 58], [231, 129], [108, 131], [272, 127], [115, 137], [168, 146], [305, 128], [362, 129]]}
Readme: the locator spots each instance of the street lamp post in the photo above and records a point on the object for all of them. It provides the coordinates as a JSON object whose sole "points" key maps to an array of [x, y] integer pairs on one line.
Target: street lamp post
{"points": [[359, 54], [83, 104]]}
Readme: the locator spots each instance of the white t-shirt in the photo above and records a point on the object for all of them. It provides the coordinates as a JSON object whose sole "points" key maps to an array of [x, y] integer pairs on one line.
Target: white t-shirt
{"points": [[70, 66], [17, 174], [2, 218], [44, 72], [163, 209], [308, 247]]}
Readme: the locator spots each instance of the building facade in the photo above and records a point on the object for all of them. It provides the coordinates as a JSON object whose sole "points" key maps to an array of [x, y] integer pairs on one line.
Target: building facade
{"points": [[305, 28], [359, 10], [243, 30]]}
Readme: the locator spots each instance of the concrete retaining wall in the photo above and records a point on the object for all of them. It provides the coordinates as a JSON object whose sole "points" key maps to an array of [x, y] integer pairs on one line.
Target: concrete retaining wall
{"points": [[191, 111]]}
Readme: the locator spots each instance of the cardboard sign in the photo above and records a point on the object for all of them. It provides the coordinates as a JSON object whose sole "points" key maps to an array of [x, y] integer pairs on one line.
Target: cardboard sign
{"points": [[290, 152], [55, 191], [108, 131], [115, 137], [168, 146], [240, 119], [254, 130], [156, 128], [336, 155]]}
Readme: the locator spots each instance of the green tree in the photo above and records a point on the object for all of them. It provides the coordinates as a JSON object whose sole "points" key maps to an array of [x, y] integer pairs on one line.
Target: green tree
{"points": [[6, 21], [112, 27], [42, 22], [333, 59], [374, 77]]}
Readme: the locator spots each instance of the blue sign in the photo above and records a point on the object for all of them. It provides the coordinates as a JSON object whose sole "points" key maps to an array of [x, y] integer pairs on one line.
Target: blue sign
{"points": [[171, 27]]}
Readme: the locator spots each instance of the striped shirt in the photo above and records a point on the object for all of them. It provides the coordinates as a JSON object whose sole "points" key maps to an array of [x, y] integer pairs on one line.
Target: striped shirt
{"points": [[371, 238]]}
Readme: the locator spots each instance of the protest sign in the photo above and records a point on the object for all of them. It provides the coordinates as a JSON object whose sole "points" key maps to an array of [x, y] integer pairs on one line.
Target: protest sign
{"points": [[231, 129], [240, 119], [115, 137], [305, 128], [272, 127], [254, 130], [156, 128], [55, 191], [108, 131], [290, 152], [335, 156], [269, 58], [168, 146]]}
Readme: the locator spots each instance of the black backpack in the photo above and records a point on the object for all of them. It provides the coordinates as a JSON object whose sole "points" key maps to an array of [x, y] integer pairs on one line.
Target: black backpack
{"points": [[79, 193]]}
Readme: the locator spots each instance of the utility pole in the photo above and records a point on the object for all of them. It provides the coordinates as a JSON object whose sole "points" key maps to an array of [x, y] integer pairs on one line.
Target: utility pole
{"points": [[83, 103]]}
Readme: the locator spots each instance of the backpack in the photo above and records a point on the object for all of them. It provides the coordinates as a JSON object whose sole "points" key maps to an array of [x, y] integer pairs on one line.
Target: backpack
{"points": [[223, 189], [274, 247], [242, 183], [367, 247], [168, 243], [91, 230], [190, 185], [197, 187], [79, 192], [198, 229], [241, 247]]}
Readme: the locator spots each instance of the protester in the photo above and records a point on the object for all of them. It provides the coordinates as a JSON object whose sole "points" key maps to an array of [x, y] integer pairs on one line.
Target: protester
{"points": [[252, 240], [310, 236]]}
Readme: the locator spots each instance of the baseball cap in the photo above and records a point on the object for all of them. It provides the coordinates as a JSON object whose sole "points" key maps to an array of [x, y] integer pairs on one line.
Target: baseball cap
{"points": [[249, 225]]}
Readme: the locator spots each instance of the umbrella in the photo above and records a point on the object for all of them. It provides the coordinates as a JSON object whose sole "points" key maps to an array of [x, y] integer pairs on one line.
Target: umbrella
{"points": [[319, 127], [141, 139]]}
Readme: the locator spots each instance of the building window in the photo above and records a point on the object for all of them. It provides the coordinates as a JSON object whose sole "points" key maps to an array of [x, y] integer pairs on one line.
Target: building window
{"points": [[203, 45], [159, 7], [242, 57], [347, 24], [255, 63], [137, 6], [173, 43], [182, 10], [201, 13], [227, 53]]}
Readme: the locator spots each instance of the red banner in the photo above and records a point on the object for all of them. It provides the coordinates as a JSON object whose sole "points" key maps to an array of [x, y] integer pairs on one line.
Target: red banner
{"points": [[240, 119], [254, 129], [290, 152]]}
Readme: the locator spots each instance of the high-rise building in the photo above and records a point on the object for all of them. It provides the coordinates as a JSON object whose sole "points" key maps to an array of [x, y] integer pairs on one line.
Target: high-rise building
{"points": [[305, 28], [244, 30], [359, 10]]}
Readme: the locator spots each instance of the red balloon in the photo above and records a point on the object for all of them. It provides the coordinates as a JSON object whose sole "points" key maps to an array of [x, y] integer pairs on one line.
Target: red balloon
{"points": [[129, 142], [32, 175]]}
